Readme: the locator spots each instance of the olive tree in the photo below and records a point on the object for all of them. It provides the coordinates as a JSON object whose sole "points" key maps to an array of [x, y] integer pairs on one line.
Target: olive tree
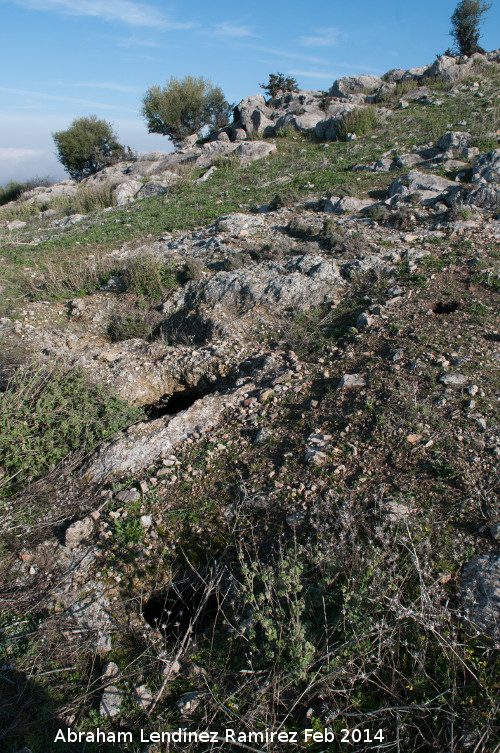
{"points": [[182, 108], [88, 145], [465, 25]]}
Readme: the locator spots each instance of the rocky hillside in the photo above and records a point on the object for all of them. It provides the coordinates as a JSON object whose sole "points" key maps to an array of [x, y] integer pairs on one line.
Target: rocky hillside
{"points": [[249, 432]]}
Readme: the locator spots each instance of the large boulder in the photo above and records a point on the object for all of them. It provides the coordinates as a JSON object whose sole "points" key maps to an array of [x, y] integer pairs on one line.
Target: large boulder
{"points": [[344, 87], [249, 151], [253, 114], [305, 122], [346, 204], [151, 188], [451, 69], [125, 192], [486, 182], [432, 188]]}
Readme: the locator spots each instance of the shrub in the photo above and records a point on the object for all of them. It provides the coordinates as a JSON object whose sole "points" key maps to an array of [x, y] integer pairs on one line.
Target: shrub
{"points": [[11, 192], [279, 84], [134, 324], [46, 412], [236, 261], [335, 239], [14, 189], [284, 199], [193, 270], [87, 146], [182, 108], [378, 213], [149, 278], [358, 121], [325, 101], [465, 25], [298, 229], [90, 198]]}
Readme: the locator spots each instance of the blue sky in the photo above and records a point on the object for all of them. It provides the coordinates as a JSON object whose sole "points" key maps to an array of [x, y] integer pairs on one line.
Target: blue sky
{"points": [[63, 59]]}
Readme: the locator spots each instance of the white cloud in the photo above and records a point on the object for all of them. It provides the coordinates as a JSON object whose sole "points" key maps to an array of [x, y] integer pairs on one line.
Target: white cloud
{"points": [[359, 68], [106, 85], [287, 54], [233, 30], [61, 98], [313, 74], [125, 11], [133, 42], [11, 153], [326, 37]]}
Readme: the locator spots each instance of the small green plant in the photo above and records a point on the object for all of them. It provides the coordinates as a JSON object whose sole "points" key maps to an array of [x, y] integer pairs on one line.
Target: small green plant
{"points": [[277, 633], [358, 121], [128, 530], [284, 199], [149, 278], [133, 324], [298, 229]]}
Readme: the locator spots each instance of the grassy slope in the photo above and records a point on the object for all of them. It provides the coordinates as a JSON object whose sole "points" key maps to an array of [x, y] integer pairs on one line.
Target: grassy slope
{"points": [[359, 619]]}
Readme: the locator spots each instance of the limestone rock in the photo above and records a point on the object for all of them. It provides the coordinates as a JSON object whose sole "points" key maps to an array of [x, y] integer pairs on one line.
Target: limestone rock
{"points": [[486, 182], [111, 701], [16, 225], [142, 696], [126, 192], [480, 585], [350, 381], [128, 496], [189, 702], [78, 531], [250, 151], [347, 85], [152, 188], [346, 204], [453, 380]]}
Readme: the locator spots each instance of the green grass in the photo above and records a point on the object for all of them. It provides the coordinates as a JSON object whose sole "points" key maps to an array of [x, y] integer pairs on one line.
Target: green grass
{"points": [[302, 160], [47, 412]]}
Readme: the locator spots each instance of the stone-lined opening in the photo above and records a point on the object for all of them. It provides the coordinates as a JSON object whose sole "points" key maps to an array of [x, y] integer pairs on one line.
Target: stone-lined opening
{"points": [[445, 307], [169, 405], [186, 603]]}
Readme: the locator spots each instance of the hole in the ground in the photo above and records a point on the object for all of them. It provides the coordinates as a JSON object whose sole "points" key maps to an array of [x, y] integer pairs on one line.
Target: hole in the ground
{"points": [[169, 405], [185, 603], [445, 307]]}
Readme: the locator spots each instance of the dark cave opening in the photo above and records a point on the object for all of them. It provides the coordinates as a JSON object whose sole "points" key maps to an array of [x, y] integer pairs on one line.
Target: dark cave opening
{"points": [[445, 307], [186, 603], [169, 405]]}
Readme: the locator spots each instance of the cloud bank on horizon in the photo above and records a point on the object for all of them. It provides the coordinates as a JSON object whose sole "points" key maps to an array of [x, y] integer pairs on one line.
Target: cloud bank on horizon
{"points": [[86, 57]]}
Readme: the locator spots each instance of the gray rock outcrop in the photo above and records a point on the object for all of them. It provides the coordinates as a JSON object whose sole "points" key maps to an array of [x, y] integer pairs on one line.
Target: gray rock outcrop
{"points": [[481, 592], [485, 192]]}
